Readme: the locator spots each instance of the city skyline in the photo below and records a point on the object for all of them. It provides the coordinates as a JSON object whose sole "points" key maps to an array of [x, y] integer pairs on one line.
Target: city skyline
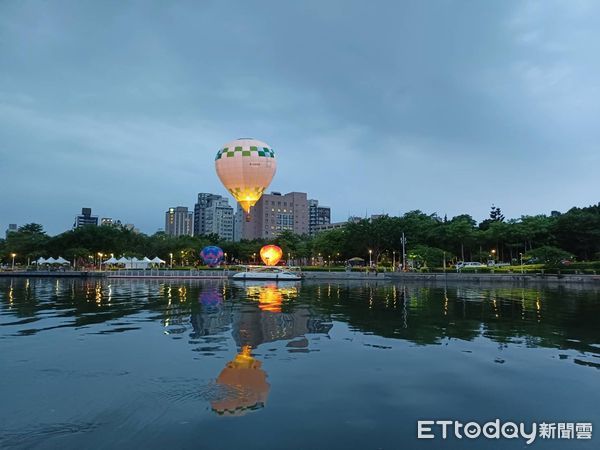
{"points": [[405, 111]]}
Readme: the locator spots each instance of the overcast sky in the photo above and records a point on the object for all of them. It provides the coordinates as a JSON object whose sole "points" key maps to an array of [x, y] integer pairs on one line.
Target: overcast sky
{"points": [[371, 107]]}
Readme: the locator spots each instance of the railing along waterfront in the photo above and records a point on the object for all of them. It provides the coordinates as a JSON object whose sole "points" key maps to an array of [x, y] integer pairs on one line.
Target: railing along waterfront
{"points": [[161, 273]]}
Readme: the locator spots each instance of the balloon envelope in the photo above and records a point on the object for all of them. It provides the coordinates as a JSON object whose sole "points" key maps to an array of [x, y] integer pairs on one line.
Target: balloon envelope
{"points": [[246, 167], [212, 255], [271, 254]]}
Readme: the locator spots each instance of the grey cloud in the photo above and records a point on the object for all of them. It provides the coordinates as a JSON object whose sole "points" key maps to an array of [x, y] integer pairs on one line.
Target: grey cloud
{"points": [[383, 106]]}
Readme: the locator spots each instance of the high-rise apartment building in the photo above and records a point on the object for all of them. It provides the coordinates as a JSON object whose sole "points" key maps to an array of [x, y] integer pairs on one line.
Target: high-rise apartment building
{"points": [[85, 218], [179, 221], [273, 214], [204, 199], [317, 216], [12, 228], [218, 218], [213, 215]]}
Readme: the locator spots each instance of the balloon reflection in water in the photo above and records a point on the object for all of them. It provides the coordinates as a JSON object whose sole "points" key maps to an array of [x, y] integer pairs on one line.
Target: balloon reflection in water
{"points": [[211, 298], [247, 383], [271, 296]]}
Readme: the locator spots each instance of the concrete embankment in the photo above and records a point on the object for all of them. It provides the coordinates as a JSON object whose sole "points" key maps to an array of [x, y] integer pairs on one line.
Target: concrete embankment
{"points": [[495, 278], [449, 277], [50, 274], [343, 276]]}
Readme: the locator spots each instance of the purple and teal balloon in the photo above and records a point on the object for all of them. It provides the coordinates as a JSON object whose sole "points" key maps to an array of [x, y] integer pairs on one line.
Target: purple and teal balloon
{"points": [[212, 255]]}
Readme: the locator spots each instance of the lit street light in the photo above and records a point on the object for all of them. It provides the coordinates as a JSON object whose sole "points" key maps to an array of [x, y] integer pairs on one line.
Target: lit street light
{"points": [[521, 256], [13, 260], [171, 256], [403, 242], [370, 258], [100, 255]]}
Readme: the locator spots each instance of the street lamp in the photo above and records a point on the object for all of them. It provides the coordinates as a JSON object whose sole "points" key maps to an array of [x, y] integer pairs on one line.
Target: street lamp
{"points": [[171, 256], [521, 256], [225, 255], [182, 258], [394, 260], [13, 260], [403, 242], [494, 255], [370, 258], [100, 255], [254, 258]]}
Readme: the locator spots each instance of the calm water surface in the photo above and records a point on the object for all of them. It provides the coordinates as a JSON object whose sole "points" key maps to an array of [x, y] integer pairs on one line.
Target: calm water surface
{"points": [[221, 365]]}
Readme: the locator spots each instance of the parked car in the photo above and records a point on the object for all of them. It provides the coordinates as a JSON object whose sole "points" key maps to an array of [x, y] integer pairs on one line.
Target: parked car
{"points": [[491, 263], [469, 265]]}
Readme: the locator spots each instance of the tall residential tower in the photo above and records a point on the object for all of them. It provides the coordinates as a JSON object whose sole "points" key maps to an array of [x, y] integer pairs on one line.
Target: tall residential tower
{"points": [[179, 221]]}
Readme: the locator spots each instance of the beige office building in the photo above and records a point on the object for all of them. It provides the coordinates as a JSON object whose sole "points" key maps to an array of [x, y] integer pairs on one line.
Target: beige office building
{"points": [[273, 214]]}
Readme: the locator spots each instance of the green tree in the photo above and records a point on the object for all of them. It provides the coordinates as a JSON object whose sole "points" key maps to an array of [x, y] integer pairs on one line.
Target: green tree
{"points": [[548, 255]]}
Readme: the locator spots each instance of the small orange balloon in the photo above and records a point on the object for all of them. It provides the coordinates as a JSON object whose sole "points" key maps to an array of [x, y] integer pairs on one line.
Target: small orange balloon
{"points": [[271, 254]]}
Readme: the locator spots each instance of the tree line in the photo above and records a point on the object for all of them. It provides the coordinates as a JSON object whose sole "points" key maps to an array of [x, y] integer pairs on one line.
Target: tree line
{"points": [[430, 239]]}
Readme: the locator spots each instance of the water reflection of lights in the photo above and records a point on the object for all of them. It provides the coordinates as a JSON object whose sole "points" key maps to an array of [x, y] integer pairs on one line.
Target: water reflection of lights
{"points": [[246, 385], [445, 301], [271, 296], [98, 294]]}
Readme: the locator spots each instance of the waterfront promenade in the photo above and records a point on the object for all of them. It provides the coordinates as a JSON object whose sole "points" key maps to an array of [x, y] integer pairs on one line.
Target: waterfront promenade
{"points": [[448, 277]]}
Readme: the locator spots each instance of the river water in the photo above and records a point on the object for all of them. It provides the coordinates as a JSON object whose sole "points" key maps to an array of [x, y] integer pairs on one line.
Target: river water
{"points": [[225, 365]]}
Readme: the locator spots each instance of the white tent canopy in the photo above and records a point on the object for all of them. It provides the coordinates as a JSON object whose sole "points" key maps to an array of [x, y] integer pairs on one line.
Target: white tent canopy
{"points": [[51, 260], [135, 263]]}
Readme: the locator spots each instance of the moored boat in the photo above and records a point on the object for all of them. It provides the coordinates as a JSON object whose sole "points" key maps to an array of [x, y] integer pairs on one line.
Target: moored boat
{"points": [[268, 273]]}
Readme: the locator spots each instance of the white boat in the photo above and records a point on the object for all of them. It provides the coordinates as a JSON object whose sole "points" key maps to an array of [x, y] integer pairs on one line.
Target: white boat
{"points": [[268, 273]]}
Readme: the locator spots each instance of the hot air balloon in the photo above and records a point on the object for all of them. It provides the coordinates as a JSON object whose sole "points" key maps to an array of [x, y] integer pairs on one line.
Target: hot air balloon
{"points": [[246, 167], [271, 254], [212, 255]]}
